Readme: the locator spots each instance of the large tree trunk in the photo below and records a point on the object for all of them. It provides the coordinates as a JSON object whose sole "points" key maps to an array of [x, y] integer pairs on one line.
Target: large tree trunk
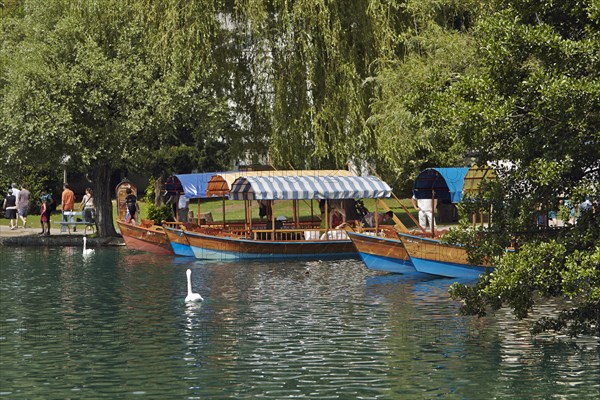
{"points": [[103, 197], [158, 198]]}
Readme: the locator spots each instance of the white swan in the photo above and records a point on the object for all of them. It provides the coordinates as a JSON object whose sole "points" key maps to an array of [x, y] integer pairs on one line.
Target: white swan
{"points": [[86, 251], [191, 296]]}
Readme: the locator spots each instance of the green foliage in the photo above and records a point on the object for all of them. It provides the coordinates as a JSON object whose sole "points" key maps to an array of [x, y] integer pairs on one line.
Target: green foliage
{"points": [[410, 117], [149, 194], [38, 179], [158, 214]]}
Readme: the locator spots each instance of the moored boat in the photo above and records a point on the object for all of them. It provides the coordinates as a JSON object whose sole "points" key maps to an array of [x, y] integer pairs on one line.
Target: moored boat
{"points": [[217, 244], [145, 237], [382, 253], [279, 240], [431, 256]]}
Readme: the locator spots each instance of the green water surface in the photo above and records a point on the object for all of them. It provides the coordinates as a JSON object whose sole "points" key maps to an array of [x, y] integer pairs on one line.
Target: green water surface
{"points": [[115, 325]]}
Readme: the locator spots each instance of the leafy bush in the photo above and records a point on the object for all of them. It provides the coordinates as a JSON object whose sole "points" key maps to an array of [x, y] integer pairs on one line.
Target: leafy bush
{"points": [[149, 193], [159, 214]]}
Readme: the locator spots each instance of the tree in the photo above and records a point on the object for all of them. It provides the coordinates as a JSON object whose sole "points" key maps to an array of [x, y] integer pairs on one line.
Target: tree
{"points": [[409, 115], [110, 84], [310, 60], [535, 102]]}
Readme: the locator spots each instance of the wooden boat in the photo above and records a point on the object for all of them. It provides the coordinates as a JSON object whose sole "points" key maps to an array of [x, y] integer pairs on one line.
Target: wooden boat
{"points": [[145, 237], [277, 240], [218, 244], [382, 253], [448, 185], [431, 256]]}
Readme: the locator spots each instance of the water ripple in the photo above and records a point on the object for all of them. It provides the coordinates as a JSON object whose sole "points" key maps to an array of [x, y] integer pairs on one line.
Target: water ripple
{"points": [[116, 325]]}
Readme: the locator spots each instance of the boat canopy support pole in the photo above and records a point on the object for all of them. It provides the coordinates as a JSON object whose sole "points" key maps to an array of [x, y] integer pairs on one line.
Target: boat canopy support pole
{"points": [[401, 205], [223, 205], [199, 222]]}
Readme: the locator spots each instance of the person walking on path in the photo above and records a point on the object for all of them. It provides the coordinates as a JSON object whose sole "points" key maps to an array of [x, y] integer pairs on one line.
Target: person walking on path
{"points": [[23, 205], [68, 203], [87, 205], [10, 207]]}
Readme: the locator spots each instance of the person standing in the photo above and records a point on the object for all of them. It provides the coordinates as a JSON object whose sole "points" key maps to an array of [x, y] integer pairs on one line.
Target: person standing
{"points": [[15, 190], [68, 203], [425, 208], [183, 207], [45, 211], [131, 202], [10, 207], [23, 205], [87, 205]]}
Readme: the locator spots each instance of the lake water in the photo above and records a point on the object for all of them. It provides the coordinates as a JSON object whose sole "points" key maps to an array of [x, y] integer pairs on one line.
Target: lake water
{"points": [[115, 325]]}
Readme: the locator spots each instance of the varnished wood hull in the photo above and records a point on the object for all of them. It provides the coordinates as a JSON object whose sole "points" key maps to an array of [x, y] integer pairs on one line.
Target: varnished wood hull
{"points": [[210, 247], [430, 256], [153, 239], [178, 241], [382, 254]]}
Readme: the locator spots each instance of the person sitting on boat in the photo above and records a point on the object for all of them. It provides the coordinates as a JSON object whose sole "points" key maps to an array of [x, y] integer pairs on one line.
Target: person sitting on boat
{"points": [[425, 208], [336, 218], [369, 220]]}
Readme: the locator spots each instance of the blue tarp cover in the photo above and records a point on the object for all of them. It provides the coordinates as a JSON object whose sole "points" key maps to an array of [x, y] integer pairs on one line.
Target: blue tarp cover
{"points": [[447, 183], [194, 185], [308, 187]]}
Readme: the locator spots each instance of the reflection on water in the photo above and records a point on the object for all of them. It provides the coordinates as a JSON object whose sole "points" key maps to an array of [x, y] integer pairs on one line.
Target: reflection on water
{"points": [[115, 324]]}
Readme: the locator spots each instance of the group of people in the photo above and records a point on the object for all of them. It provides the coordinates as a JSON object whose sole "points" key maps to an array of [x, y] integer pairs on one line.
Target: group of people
{"points": [[87, 208], [16, 206], [17, 203]]}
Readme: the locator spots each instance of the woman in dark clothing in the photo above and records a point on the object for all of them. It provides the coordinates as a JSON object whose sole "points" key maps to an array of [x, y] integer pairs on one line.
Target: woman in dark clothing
{"points": [[131, 202]]}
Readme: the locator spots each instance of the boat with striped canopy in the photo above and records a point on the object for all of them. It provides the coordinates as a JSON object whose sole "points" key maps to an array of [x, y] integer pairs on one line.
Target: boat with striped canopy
{"points": [[205, 185], [280, 239]]}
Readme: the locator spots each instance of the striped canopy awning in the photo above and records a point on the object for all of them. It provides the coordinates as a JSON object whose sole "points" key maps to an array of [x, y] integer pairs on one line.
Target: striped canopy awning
{"points": [[220, 183], [308, 188]]}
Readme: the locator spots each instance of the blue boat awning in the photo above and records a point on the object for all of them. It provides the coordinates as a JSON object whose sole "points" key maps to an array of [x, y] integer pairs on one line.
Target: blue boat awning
{"points": [[308, 188], [194, 185], [445, 184]]}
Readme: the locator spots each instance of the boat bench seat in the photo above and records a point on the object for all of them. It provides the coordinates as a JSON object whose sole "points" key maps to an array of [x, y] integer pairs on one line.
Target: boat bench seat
{"points": [[336, 234]]}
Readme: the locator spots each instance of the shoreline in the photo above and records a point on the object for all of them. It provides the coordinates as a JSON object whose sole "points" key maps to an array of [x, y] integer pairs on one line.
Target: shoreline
{"points": [[24, 237]]}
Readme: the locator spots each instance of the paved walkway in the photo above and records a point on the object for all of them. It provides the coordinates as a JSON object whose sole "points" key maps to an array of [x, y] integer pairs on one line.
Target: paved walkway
{"points": [[30, 237], [5, 231]]}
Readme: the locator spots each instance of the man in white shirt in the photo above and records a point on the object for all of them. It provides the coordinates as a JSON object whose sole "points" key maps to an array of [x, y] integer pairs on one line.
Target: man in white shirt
{"points": [[425, 208], [183, 208], [16, 191]]}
